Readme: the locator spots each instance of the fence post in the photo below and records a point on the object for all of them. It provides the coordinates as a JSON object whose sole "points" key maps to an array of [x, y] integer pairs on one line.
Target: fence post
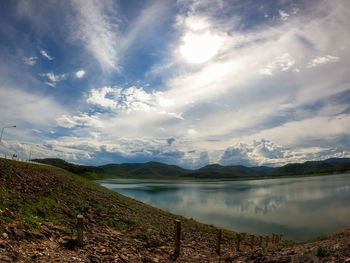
{"points": [[260, 241], [251, 241], [218, 244], [281, 238], [80, 227], [238, 242], [267, 241], [177, 239]]}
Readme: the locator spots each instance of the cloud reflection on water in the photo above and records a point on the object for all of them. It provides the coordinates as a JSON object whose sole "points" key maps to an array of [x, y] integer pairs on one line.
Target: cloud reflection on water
{"points": [[300, 208]]}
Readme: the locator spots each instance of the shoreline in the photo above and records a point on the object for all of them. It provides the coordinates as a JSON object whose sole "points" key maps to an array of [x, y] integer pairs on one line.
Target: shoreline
{"points": [[205, 179]]}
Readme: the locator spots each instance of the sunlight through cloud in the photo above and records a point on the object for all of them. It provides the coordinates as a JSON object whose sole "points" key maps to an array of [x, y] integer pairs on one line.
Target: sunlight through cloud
{"points": [[199, 48]]}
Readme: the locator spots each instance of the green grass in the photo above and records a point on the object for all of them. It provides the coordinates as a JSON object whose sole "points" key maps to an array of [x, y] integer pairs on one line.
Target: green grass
{"points": [[289, 243], [321, 252]]}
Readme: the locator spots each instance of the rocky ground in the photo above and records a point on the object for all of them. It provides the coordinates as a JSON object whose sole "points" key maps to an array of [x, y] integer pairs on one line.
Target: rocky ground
{"points": [[39, 206]]}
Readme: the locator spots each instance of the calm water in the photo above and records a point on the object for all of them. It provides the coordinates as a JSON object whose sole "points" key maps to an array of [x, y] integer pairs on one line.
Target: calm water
{"points": [[300, 209]]}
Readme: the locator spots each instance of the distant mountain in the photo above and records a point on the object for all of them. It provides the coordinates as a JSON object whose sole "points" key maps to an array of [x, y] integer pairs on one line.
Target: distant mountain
{"points": [[150, 169], [263, 169], [329, 166], [219, 171], [161, 170], [302, 168], [335, 161]]}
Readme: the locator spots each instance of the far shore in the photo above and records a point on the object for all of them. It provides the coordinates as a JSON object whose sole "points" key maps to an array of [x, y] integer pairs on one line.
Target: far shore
{"points": [[205, 179]]}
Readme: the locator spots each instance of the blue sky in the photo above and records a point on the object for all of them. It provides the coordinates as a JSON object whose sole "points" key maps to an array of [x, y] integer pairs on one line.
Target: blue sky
{"points": [[182, 82]]}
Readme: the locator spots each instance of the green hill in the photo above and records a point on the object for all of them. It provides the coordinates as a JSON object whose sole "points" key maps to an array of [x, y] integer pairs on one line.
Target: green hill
{"points": [[158, 170], [219, 171], [90, 172], [310, 168], [150, 169]]}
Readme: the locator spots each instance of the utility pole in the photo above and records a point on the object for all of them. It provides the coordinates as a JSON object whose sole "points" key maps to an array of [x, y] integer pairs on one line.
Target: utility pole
{"points": [[2, 130]]}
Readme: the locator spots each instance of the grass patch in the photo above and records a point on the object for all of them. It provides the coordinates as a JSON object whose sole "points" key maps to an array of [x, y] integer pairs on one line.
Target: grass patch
{"points": [[321, 252]]}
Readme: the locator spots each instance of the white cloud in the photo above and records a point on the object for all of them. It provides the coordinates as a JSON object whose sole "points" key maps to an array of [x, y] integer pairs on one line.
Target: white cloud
{"points": [[318, 61], [35, 109], [36, 130], [81, 120], [44, 54], [283, 14], [98, 97], [53, 78], [128, 99], [97, 31], [252, 92], [80, 73], [51, 84], [30, 60], [280, 63], [199, 48]]}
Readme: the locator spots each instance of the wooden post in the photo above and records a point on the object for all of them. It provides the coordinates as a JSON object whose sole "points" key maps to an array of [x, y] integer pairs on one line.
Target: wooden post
{"points": [[260, 241], [251, 241], [273, 239], [267, 241], [238, 241], [80, 229], [177, 239], [218, 244], [281, 237]]}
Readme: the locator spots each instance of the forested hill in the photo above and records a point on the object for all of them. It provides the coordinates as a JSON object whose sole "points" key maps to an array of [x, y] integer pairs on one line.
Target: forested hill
{"points": [[160, 170]]}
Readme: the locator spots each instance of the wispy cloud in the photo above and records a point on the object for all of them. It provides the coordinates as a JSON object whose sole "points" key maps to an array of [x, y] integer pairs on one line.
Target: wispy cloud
{"points": [[44, 54], [128, 99], [322, 60], [28, 107], [280, 63], [53, 78], [30, 60], [98, 30], [283, 14], [81, 120]]}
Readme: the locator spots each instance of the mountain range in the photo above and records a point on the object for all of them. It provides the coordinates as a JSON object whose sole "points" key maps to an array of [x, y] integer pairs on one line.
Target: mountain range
{"points": [[158, 170]]}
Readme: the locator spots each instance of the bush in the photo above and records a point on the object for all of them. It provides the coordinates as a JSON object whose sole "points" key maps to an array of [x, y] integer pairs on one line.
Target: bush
{"points": [[321, 252]]}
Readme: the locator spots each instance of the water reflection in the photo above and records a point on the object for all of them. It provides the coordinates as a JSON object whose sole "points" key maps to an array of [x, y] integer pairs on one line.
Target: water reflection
{"points": [[301, 209]]}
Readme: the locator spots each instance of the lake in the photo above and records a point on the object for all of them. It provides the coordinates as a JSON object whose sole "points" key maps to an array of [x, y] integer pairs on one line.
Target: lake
{"points": [[299, 208]]}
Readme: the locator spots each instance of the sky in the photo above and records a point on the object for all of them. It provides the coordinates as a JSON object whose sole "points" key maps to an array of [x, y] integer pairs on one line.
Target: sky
{"points": [[186, 82]]}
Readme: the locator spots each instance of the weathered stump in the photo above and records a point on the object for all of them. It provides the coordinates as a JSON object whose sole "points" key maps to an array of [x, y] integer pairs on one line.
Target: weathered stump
{"points": [[177, 240], [238, 242], [218, 243], [80, 230]]}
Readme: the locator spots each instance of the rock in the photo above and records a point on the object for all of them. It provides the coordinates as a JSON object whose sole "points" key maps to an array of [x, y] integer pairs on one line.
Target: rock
{"points": [[5, 259], [20, 225], [40, 248], [37, 235], [347, 260], [2, 243], [18, 234], [124, 257], [5, 235], [63, 239]]}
